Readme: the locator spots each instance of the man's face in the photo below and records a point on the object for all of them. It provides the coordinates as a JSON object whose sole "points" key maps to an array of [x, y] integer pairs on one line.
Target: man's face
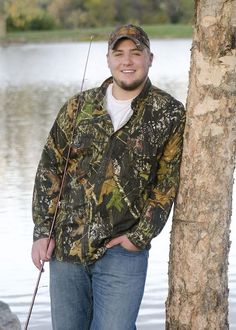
{"points": [[129, 65]]}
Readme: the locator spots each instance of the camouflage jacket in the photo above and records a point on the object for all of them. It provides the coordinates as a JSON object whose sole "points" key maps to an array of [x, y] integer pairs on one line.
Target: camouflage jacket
{"points": [[116, 183]]}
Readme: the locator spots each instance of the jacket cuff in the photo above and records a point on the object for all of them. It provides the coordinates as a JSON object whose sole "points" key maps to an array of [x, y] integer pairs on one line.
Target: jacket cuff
{"points": [[138, 240], [40, 232]]}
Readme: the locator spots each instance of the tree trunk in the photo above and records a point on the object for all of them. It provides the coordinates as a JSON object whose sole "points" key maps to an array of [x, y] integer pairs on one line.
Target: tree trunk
{"points": [[198, 268]]}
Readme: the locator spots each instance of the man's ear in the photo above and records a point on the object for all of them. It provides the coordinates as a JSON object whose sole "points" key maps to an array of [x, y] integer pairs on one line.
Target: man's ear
{"points": [[108, 60], [151, 59]]}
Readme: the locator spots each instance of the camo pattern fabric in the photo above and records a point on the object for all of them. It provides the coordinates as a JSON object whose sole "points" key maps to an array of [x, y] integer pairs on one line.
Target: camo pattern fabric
{"points": [[116, 183]]}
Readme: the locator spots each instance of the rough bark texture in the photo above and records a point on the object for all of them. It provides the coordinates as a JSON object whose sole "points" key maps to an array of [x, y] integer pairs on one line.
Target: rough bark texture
{"points": [[198, 280]]}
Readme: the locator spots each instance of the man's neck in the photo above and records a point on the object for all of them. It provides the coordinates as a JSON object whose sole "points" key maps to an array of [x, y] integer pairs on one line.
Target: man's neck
{"points": [[122, 94]]}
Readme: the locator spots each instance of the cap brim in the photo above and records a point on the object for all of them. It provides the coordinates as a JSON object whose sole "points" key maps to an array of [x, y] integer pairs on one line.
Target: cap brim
{"points": [[125, 36]]}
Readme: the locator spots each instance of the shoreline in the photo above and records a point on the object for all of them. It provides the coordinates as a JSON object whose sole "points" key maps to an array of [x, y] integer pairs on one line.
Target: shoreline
{"points": [[164, 31]]}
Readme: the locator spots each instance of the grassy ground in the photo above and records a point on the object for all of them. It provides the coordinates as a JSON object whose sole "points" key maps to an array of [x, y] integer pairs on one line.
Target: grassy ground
{"points": [[154, 31]]}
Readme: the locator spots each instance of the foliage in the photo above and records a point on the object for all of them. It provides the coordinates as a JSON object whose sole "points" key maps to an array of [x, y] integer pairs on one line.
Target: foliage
{"points": [[47, 14], [186, 11], [100, 11], [68, 13], [27, 15]]}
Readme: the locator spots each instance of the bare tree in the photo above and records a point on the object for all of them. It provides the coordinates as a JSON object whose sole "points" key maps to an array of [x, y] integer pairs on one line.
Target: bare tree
{"points": [[198, 280]]}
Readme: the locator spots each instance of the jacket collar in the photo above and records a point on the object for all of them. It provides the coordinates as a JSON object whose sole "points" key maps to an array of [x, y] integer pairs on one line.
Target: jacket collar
{"points": [[143, 94]]}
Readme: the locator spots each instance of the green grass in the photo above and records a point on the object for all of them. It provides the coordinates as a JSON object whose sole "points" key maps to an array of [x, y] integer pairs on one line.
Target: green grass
{"points": [[169, 31], [154, 31]]}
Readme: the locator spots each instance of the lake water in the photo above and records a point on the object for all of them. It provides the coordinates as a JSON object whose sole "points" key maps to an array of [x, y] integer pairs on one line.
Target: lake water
{"points": [[35, 80]]}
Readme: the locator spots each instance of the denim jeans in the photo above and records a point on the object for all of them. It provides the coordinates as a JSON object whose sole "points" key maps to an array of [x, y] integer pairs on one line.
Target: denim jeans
{"points": [[103, 296]]}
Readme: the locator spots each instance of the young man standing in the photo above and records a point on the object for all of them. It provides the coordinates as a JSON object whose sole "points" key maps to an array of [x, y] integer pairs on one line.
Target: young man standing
{"points": [[120, 183]]}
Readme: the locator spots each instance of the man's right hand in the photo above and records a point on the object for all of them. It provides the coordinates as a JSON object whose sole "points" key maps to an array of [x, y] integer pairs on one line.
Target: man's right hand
{"points": [[41, 251]]}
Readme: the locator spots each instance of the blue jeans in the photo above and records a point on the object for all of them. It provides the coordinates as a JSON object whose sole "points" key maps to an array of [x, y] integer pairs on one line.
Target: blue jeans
{"points": [[103, 296]]}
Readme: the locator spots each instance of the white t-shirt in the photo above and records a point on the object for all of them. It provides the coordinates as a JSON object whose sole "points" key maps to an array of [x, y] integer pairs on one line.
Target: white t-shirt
{"points": [[119, 110]]}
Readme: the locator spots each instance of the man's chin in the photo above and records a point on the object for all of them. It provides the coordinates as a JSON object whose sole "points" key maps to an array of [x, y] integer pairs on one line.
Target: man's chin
{"points": [[130, 86]]}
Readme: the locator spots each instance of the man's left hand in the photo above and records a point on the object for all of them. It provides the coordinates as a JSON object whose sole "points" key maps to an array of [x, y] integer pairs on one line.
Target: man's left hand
{"points": [[124, 242]]}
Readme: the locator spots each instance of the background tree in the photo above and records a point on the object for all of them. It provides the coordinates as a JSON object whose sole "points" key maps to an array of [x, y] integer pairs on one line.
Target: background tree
{"points": [[27, 15], [68, 14], [185, 11], [198, 281], [173, 9], [140, 12], [100, 11], [179, 10], [47, 14], [2, 19]]}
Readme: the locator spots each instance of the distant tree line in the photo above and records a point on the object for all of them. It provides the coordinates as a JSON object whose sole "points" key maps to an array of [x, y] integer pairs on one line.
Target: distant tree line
{"points": [[50, 14]]}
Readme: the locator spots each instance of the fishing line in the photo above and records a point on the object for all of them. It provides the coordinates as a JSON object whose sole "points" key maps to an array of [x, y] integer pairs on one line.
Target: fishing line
{"points": [[60, 192]]}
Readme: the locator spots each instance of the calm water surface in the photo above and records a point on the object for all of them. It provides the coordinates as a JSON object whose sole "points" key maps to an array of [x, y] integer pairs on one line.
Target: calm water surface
{"points": [[35, 80]]}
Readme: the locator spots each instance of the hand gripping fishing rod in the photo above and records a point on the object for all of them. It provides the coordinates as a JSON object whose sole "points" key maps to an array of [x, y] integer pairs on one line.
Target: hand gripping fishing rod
{"points": [[60, 193]]}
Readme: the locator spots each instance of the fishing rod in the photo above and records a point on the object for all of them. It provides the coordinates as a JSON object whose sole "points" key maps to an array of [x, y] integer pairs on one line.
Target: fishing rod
{"points": [[60, 192]]}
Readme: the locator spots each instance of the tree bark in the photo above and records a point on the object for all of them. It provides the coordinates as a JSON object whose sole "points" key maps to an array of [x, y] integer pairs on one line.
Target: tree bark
{"points": [[198, 268]]}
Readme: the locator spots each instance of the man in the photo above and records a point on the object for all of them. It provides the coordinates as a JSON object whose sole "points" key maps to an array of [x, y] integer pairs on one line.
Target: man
{"points": [[120, 183]]}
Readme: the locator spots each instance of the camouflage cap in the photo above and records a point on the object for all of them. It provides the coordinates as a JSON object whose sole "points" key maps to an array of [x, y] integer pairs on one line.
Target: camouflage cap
{"points": [[135, 33]]}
